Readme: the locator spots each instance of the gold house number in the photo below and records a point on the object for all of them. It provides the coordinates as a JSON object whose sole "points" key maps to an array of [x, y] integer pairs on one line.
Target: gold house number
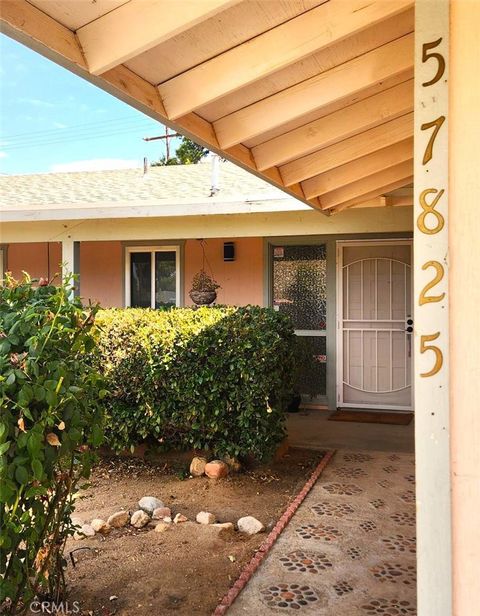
{"points": [[430, 347], [439, 273], [436, 221], [429, 208]]}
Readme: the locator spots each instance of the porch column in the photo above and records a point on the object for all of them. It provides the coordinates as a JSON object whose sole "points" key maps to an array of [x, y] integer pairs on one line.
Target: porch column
{"points": [[464, 252], [431, 305], [70, 261]]}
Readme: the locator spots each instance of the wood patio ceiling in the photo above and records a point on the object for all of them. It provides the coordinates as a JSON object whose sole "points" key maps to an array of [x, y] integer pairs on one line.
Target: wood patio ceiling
{"points": [[314, 96]]}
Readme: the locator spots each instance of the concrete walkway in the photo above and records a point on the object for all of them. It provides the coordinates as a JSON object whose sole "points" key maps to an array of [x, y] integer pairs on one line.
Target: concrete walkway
{"points": [[310, 429], [349, 549]]}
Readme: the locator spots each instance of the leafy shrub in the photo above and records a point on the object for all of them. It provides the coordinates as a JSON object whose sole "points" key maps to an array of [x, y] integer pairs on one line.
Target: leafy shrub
{"points": [[50, 419], [210, 378]]}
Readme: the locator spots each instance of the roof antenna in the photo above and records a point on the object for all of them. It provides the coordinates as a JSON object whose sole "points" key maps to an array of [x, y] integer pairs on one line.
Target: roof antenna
{"points": [[215, 171], [145, 165]]}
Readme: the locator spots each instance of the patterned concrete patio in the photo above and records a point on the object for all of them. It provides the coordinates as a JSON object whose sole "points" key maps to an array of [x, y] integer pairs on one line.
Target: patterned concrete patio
{"points": [[349, 549]]}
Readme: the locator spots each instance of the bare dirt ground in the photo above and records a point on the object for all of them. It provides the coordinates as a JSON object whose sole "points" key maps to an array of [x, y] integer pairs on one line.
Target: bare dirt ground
{"points": [[186, 570]]}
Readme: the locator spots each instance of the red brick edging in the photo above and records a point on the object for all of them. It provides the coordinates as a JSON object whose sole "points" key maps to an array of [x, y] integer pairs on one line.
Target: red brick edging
{"points": [[267, 545]]}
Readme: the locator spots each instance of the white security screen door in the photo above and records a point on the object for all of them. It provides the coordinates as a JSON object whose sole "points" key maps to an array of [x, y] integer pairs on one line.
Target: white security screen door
{"points": [[374, 325]]}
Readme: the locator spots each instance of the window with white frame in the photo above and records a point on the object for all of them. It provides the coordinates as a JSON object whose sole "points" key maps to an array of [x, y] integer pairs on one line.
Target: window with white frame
{"points": [[152, 276]]}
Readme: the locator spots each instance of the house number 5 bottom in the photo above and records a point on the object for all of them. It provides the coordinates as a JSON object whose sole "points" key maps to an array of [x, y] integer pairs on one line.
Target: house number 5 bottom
{"points": [[430, 347]]}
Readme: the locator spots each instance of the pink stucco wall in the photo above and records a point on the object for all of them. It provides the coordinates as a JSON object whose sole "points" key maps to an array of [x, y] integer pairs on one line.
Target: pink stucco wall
{"points": [[35, 259], [102, 268], [102, 272], [241, 280]]}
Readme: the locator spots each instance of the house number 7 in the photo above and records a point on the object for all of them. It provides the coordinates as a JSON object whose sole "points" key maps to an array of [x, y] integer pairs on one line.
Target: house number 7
{"points": [[436, 125]]}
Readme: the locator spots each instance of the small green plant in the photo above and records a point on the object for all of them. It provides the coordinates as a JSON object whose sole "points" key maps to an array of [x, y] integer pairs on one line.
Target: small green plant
{"points": [[50, 422], [204, 282]]}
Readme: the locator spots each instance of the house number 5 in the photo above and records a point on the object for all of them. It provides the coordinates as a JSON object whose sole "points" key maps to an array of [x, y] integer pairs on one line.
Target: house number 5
{"points": [[427, 55], [430, 347]]}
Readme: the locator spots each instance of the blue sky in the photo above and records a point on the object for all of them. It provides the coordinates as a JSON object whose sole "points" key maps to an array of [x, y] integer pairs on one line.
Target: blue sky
{"points": [[52, 120]]}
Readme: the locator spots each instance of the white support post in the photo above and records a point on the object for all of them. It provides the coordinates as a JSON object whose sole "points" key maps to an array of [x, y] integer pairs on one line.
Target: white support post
{"points": [[431, 309], [68, 259]]}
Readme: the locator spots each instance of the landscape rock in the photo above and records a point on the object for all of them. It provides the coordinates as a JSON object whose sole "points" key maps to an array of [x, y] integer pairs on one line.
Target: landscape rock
{"points": [[149, 504], [180, 518], [139, 519], [233, 463], [161, 527], [216, 469], [99, 525], [85, 531], [76, 521], [204, 517], [197, 466], [250, 525], [162, 512], [167, 520], [225, 526], [118, 519]]}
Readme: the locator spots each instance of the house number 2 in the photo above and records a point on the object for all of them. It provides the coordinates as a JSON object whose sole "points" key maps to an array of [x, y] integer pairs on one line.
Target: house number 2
{"points": [[431, 221]]}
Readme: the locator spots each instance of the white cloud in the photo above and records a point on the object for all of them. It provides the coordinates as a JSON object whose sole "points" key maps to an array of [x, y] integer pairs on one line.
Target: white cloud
{"points": [[3, 155], [36, 102], [59, 125], [95, 164]]}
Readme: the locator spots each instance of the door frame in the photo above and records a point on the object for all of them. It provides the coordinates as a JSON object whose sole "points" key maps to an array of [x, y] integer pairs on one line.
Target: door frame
{"points": [[339, 317]]}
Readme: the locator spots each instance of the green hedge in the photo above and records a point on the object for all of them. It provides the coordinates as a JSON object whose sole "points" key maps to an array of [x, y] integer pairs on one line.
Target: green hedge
{"points": [[207, 378]]}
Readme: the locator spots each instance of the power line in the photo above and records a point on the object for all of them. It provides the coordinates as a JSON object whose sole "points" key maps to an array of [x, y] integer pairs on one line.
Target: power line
{"points": [[69, 134], [79, 127], [54, 140]]}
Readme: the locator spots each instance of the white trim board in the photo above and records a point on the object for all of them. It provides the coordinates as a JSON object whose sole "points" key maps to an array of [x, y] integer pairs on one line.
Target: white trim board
{"points": [[148, 209]]}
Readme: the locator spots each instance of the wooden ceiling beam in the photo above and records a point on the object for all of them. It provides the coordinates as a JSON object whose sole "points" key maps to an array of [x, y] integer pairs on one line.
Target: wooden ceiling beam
{"points": [[350, 149], [373, 185], [274, 50], [384, 201], [336, 126], [380, 192], [358, 169], [139, 25], [28, 25], [338, 83]]}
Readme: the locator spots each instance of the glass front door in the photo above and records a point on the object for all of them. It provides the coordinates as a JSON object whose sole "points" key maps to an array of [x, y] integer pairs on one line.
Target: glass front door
{"points": [[299, 277]]}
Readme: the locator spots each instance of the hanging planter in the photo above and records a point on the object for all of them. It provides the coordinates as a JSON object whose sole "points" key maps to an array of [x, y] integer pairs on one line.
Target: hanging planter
{"points": [[204, 289]]}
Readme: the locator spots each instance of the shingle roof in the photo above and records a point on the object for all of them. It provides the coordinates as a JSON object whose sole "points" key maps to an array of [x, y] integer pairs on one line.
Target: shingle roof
{"points": [[168, 183]]}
